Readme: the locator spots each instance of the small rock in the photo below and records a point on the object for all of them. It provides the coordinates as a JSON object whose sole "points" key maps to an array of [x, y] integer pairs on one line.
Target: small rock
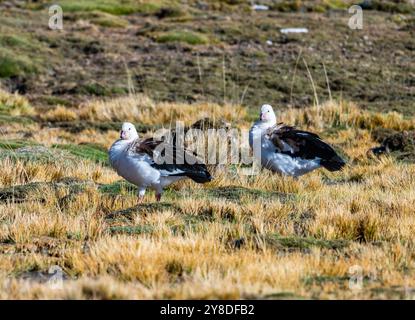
{"points": [[294, 30], [260, 7], [402, 144]]}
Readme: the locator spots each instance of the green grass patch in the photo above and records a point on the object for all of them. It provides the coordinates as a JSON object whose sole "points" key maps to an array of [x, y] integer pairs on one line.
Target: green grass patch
{"points": [[55, 100], [99, 18], [87, 151], [110, 22], [188, 37], [12, 64], [14, 41], [110, 6], [15, 144], [17, 54], [97, 89], [94, 89], [311, 6], [6, 119], [19, 41]]}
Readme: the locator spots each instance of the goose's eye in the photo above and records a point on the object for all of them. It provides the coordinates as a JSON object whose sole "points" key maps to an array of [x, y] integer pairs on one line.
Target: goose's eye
{"points": [[129, 129]]}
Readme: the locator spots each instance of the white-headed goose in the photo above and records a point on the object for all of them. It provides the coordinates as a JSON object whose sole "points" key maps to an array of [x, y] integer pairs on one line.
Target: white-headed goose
{"points": [[290, 151], [134, 160]]}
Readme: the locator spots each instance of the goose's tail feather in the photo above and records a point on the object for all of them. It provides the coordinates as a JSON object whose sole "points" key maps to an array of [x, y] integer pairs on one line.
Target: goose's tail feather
{"points": [[333, 164]]}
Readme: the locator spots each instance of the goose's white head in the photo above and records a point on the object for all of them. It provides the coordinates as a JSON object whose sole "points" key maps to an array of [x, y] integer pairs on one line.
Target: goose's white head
{"points": [[128, 132], [267, 115]]}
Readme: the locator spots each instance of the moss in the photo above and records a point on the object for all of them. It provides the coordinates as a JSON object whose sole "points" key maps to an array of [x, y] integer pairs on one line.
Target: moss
{"points": [[188, 37]]}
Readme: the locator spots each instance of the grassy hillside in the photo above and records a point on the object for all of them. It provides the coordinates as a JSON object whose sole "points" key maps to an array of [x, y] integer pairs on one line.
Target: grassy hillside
{"points": [[216, 51]]}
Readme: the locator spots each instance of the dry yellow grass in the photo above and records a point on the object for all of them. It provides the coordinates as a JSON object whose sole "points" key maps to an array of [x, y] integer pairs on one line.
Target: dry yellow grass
{"points": [[14, 104], [60, 113], [300, 237], [141, 109]]}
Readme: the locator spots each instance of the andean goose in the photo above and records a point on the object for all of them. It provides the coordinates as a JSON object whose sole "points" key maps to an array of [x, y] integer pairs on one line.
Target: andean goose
{"points": [[135, 160], [289, 151]]}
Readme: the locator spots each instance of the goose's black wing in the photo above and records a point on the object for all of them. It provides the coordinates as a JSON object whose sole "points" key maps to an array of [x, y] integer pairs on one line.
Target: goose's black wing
{"points": [[306, 145], [173, 161]]}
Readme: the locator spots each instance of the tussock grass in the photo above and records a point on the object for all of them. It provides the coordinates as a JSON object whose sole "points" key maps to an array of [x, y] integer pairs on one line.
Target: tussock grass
{"points": [[14, 104], [143, 110], [58, 114], [236, 237], [345, 115]]}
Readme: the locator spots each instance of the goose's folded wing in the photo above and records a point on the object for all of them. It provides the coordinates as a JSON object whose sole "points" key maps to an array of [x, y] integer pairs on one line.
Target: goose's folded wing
{"points": [[306, 145], [171, 160]]}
